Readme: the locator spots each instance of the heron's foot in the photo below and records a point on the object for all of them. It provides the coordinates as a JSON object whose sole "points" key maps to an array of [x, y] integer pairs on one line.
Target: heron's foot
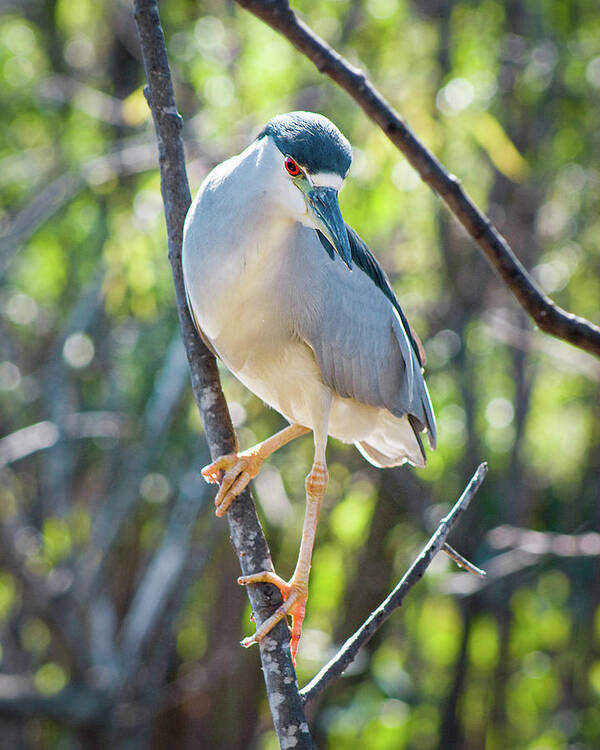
{"points": [[294, 593], [233, 472]]}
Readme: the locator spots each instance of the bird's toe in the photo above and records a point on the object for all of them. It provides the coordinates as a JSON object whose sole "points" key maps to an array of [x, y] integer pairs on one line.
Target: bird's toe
{"points": [[266, 576], [294, 594], [213, 472], [233, 472]]}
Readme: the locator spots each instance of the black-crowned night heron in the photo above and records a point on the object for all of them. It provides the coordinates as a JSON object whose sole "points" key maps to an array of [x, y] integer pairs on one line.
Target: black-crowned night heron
{"points": [[298, 308]]}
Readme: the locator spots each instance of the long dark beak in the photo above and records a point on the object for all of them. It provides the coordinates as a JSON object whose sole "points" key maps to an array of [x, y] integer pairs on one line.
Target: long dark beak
{"points": [[325, 210]]}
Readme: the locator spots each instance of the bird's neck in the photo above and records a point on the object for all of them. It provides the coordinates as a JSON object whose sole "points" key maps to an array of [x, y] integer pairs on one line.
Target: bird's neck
{"points": [[259, 229]]}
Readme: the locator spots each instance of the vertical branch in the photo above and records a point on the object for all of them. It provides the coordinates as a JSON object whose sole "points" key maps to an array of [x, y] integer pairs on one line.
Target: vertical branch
{"points": [[246, 533]]}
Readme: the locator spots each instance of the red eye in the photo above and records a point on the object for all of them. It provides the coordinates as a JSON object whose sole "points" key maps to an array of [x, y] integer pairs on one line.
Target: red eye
{"points": [[292, 168]]}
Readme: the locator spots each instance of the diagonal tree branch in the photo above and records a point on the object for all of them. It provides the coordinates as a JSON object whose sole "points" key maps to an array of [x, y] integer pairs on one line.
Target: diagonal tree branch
{"points": [[42, 435], [346, 655], [549, 317], [246, 533]]}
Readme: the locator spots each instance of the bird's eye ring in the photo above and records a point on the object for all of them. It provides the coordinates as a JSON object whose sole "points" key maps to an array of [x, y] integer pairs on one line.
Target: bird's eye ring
{"points": [[291, 167]]}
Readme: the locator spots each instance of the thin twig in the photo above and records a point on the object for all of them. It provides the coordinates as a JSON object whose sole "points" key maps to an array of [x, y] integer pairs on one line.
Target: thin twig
{"points": [[548, 316], [524, 549], [462, 562], [246, 532], [346, 655]]}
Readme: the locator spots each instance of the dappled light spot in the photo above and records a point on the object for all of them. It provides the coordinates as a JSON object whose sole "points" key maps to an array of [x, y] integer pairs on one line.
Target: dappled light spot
{"points": [[499, 413], [455, 97], [155, 488], [79, 52], [51, 678], [553, 219], [592, 72], [404, 176], [219, 91], [20, 308], [147, 209], [552, 276], [35, 635], [273, 497], [78, 350], [442, 347], [382, 9], [8, 594], [10, 376]]}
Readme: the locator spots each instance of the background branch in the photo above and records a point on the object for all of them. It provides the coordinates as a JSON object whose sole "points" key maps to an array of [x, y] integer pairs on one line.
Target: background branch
{"points": [[524, 549], [549, 317]]}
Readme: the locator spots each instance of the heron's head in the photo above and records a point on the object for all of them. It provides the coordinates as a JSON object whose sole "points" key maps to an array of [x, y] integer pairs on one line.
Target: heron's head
{"points": [[312, 159]]}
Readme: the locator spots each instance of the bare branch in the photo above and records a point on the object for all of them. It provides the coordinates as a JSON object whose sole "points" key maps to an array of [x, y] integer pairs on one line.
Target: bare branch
{"points": [[349, 650], [499, 326], [545, 542], [130, 156], [42, 435], [46, 203], [548, 316], [95, 103], [524, 549], [19, 700], [246, 532], [160, 579], [158, 414], [462, 562]]}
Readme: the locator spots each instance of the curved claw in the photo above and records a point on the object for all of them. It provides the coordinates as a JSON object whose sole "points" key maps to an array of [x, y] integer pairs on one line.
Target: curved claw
{"points": [[233, 472], [294, 593]]}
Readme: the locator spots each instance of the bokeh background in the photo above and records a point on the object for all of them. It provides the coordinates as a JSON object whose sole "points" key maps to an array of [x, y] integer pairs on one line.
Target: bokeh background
{"points": [[120, 616]]}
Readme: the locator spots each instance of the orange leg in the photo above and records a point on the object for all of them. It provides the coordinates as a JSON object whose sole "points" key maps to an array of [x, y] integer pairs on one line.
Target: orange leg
{"points": [[295, 591], [235, 470]]}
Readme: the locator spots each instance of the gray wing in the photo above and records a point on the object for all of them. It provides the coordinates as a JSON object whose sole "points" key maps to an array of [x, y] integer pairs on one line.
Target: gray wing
{"points": [[362, 341]]}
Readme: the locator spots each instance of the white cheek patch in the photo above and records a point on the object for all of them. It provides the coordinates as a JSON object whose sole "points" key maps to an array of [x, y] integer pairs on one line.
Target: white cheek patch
{"points": [[288, 195], [326, 179]]}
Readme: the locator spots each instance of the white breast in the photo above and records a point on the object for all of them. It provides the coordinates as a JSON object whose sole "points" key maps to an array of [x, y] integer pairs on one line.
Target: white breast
{"points": [[234, 256]]}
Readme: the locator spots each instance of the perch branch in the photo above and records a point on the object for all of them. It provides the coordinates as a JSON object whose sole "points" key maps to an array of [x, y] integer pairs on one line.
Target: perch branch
{"points": [[349, 650], [548, 316], [246, 533]]}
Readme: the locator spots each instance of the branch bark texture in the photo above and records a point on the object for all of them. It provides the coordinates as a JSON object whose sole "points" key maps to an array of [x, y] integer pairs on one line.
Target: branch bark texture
{"points": [[548, 316], [346, 655], [246, 532]]}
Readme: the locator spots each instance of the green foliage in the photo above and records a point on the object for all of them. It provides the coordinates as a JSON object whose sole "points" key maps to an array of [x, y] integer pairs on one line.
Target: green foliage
{"points": [[506, 96], [8, 594], [51, 678]]}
